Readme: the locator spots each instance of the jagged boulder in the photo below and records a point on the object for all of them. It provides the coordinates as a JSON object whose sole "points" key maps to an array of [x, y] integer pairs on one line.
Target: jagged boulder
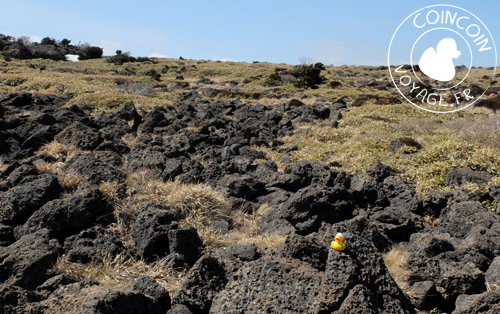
{"points": [[149, 287], [202, 283], [484, 303], [311, 206], [93, 170], [150, 230], [79, 135], [68, 216], [353, 279], [92, 244], [18, 203], [25, 262], [110, 301]]}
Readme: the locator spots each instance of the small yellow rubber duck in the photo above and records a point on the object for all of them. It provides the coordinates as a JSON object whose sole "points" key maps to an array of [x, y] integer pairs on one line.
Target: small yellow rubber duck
{"points": [[338, 244]]}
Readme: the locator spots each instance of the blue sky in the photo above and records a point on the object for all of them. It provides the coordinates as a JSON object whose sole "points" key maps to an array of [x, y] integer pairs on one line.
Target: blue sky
{"points": [[333, 32]]}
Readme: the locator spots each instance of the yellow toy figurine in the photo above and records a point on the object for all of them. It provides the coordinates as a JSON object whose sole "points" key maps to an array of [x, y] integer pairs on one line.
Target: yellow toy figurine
{"points": [[338, 244]]}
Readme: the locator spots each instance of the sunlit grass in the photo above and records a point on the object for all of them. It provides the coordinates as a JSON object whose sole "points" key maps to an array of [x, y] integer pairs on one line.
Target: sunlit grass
{"points": [[467, 138]]}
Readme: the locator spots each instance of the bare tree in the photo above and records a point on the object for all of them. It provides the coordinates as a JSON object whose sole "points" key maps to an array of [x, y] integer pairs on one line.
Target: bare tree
{"points": [[306, 61]]}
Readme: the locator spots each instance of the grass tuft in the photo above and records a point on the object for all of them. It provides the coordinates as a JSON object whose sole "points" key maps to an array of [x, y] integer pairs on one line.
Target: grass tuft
{"points": [[110, 191], [119, 271], [200, 205], [395, 259], [58, 150]]}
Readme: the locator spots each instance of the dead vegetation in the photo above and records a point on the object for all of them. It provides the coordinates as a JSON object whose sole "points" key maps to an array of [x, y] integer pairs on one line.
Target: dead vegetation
{"points": [[395, 259], [3, 166], [120, 270], [58, 150], [484, 132], [200, 206], [130, 140], [61, 153]]}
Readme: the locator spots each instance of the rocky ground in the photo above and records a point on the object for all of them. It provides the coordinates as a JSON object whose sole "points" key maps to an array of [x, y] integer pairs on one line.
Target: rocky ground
{"points": [[223, 195], [62, 209]]}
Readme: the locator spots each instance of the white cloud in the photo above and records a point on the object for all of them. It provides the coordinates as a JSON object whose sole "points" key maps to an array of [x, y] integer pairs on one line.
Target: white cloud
{"points": [[110, 47], [158, 55], [222, 59], [35, 38]]}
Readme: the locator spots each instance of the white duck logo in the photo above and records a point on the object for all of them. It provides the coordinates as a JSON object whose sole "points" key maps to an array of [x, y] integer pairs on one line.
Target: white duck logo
{"points": [[438, 64]]}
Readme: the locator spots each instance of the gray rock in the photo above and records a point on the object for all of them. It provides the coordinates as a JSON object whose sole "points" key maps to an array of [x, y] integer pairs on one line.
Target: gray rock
{"points": [[53, 283], [459, 218], [243, 186], [13, 299], [79, 135], [92, 244], [6, 235], [150, 230], [202, 283], [111, 301], [424, 295], [92, 169], [394, 225], [457, 279], [173, 167], [307, 250], [20, 173], [360, 300], [186, 243], [270, 285], [18, 203], [430, 244], [65, 217], [179, 309], [360, 264], [149, 287], [493, 274], [485, 303], [25, 262], [354, 278], [244, 252], [311, 206], [460, 176], [128, 113], [147, 159], [309, 172], [151, 120]]}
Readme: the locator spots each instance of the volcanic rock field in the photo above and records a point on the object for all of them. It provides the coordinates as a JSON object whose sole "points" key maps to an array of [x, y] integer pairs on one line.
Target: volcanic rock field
{"points": [[177, 209]]}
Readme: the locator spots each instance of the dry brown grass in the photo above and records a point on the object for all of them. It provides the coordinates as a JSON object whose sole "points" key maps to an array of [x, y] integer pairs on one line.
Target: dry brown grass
{"points": [[130, 140], [192, 129], [246, 231], [120, 271], [200, 205], [58, 150], [69, 179], [62, 153], [483, 132], [431, 221], [49, 167], [395, 259], [419, 126], [491, 287], [110, 191], [3, 166]]}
